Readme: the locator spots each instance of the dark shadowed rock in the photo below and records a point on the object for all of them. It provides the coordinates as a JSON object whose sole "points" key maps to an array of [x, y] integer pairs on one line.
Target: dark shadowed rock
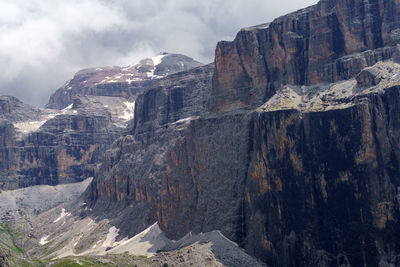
{"points": [[129, 180], [296, 155], [3, 259]]}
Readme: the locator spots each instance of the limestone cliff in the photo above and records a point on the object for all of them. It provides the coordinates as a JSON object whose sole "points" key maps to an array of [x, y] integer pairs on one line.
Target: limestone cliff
{"points": [[295, 155], [330, 41], [127, 82], [43, 146]]}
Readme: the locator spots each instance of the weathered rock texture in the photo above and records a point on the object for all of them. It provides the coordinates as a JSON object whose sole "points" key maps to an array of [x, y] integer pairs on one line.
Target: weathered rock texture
{"points": [[128, 182], [65, 144], [295, 155], [306, 47], [127, 82], [41, 146]]}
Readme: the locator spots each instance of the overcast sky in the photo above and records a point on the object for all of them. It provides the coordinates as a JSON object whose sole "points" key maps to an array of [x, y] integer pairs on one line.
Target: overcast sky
{"points": [[44, 42]]}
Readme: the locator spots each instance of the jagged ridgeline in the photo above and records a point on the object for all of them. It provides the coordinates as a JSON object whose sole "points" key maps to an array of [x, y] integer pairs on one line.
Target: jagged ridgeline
{"points": [[283, 152]]}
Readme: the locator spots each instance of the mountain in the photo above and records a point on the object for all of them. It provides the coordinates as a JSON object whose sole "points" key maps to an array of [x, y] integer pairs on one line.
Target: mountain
{"points": [[296, 155], [65, 144], [283, 152], [126, 82]]}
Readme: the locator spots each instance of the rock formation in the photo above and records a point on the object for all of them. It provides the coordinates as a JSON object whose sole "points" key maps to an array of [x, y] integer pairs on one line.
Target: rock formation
{"points": [[3, 260], [65, 144], [289, 144], [126, 82], [295, 155]]}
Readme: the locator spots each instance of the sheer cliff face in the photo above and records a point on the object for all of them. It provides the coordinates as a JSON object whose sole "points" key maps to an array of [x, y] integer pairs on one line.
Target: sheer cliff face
{"points": [[42, 146], [129, 181], [307, 47], [311, 189], [293, 151]]}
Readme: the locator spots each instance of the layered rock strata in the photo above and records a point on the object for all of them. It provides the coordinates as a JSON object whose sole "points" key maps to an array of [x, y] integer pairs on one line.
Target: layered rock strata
{"points": [[296, 155]]}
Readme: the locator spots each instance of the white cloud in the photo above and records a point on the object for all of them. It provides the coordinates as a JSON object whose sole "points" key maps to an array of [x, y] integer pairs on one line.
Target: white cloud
{"points": [[43, 42]]}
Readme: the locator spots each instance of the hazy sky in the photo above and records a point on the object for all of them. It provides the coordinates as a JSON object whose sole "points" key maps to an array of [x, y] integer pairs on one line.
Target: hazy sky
{"points": [[44, 42]]}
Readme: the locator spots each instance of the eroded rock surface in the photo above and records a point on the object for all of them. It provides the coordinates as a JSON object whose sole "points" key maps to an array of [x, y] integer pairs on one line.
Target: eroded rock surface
{"points": [[127, 82], [328, 42], [296, 155]]}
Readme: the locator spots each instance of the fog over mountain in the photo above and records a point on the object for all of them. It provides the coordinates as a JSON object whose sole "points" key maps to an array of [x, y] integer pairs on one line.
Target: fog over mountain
{"points": [[42, 43]]}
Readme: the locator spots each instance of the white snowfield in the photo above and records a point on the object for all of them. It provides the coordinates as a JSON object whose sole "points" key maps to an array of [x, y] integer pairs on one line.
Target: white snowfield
{"points": [[157, 60], [110, 238], [146, 243], [27, 127], [62, 215], [129, 111]]}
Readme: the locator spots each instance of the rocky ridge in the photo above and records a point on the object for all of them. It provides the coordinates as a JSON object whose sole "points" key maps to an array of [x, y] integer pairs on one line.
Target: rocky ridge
{"points": [[288, 145], [126, 82], [295, 156], [62, 145]]}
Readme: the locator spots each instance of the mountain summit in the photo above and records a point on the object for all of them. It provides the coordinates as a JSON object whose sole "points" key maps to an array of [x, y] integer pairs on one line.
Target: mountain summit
{"points": [[120, 81]]}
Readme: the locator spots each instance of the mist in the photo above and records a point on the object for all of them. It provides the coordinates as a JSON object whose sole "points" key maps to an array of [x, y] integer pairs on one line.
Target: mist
{"points": [[43, 43]]}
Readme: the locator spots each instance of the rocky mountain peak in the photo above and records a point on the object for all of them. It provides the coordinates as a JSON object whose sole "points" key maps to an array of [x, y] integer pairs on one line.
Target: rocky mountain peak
{"points": [[325, 43], [116, 81]]}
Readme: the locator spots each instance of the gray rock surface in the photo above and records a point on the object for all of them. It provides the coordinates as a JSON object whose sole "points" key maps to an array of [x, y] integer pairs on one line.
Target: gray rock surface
{"points": [[3, 259], [296, 157], [127, 82]]}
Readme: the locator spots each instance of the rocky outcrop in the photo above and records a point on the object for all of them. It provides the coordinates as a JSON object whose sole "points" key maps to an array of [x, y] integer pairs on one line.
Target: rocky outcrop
{"points": [[53, 147], [330, 41], [65, 144], [127, 82], [296, 154], [3, 259]]}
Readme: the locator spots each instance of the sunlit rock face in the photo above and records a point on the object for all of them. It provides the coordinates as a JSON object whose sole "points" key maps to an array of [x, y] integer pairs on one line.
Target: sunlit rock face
{"points": [[295, 154]]}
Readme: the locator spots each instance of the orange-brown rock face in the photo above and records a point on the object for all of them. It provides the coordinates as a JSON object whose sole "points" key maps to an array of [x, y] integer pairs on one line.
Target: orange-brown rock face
{"points": [[313, 45]]}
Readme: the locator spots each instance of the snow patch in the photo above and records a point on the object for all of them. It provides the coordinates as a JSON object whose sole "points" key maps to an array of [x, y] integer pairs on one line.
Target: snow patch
{"points": [[185, 120], [110, 239], [43, 240], [132, 80], [62, 215], [146, 243], [129, 111], [27, 127], [68, 108]]}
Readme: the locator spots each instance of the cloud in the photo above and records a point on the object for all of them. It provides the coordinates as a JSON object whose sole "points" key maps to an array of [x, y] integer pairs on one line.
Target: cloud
{"points": [[43, 42]]}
